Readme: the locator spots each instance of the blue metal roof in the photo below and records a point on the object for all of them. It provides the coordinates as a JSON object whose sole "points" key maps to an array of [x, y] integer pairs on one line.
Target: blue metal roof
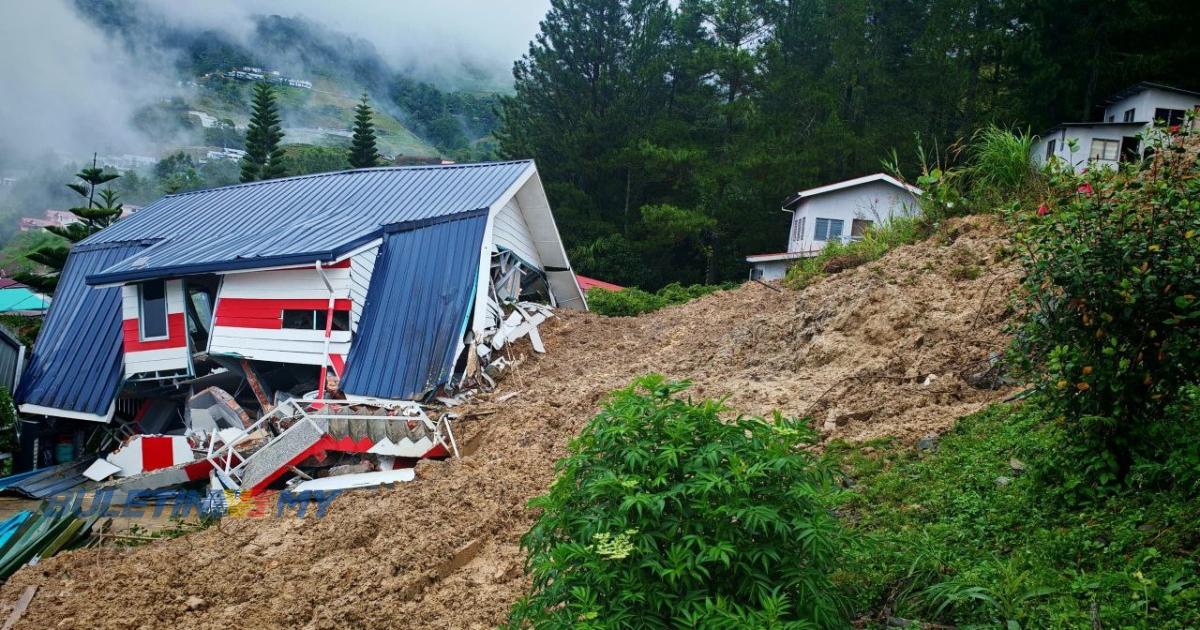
{"points": [[296, 219], [421, 293], [76, 363]]}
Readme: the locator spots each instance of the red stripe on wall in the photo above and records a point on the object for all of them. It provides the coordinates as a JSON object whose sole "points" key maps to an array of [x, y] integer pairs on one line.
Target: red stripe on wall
{"points": [[157, 452], [273, 308], [176, 335], [251, 322]]}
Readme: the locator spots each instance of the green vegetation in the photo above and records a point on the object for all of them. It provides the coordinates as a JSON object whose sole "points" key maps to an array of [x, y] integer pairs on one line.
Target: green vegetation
{"points": [[1113, 314], [665, 515], [975, 533], [93, 217], [305, 159], [634, 301], [8, 430], [723, 108], [264, 157], [363, 153]]}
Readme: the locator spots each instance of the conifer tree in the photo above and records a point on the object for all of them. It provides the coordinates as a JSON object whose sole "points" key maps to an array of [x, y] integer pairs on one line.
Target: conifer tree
{"points": [[363, 152], [264, 157], [96, 215]]}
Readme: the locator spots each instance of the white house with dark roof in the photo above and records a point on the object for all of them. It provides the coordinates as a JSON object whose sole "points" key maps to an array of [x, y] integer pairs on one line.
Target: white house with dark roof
{"points": [[1119, 135], [836, 212]]}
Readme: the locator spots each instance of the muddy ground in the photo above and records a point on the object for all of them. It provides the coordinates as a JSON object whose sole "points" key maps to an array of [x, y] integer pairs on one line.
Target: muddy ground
{"points": [[886, 349]]}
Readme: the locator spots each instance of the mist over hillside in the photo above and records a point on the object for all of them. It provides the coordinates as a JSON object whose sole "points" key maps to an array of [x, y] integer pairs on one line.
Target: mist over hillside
{"points": [[116, 76]]}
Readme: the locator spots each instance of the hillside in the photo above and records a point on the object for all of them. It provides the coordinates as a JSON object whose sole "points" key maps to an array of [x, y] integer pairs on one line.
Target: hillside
{"points": [[886, 349]]}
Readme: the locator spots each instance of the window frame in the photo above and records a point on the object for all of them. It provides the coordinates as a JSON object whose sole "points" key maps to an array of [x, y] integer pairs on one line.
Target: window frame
{"points": [[1104, 143], [828, 229], [1051, 145], [1129, 114], [1173, 116], [318, 319], [142, 311], [798, 229]]}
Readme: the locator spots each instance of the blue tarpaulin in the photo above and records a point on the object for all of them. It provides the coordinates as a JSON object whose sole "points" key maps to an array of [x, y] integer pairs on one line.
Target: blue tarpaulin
{"points": [[421, 293]]}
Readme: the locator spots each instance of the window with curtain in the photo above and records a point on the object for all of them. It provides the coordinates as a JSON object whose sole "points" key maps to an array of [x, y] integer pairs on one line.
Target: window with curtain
{"points": [[828, 229]]}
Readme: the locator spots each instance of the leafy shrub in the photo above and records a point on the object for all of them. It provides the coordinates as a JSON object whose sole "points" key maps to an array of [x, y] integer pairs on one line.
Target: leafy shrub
{"points": [[1112, 331], [666, 515], [634, 301], [1000, 164]]}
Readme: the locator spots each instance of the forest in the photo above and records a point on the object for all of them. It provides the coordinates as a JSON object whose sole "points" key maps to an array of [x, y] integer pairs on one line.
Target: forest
{"points": [[668, 134]]}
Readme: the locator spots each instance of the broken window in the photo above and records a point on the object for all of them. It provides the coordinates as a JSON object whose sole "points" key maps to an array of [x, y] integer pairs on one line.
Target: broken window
{"points": [[859, 227], [152, 301], [314, 319]]}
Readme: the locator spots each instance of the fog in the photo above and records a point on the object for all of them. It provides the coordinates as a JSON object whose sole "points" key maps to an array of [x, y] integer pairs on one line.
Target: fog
{"points": [[67, 88]]}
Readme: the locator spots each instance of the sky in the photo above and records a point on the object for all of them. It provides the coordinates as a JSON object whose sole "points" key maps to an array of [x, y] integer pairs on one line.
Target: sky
{"points": [[65, 87]]}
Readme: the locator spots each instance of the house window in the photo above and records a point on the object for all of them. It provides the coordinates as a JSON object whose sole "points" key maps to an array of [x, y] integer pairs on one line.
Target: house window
{"points": [[828, 229], [1171, 117], [1103, 149], [859, 227], [152, 301], [756, 273], [314, 319], [1050, 146], [1129, 115], [798, 229]]}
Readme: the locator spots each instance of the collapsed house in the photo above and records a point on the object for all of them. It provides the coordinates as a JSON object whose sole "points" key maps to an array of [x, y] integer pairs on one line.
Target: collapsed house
{"points": [[278, 329]]}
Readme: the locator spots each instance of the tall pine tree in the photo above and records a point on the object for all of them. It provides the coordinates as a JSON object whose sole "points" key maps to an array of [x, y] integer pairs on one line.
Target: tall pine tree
{"points": [[264, 157], [96, 215], [363, 153]]}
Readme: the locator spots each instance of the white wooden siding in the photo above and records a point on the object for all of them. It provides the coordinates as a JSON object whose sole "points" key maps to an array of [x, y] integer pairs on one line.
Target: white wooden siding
{"points": [[361, 267], [511, 232], [161, 360], [285, 345]]}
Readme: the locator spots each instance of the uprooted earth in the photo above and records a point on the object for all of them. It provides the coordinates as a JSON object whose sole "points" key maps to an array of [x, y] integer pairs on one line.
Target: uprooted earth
{"points": [[900, 347]]}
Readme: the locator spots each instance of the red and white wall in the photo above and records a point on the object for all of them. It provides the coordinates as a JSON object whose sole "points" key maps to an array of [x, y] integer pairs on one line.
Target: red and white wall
{"points": [[248, 319], [158, 355]]}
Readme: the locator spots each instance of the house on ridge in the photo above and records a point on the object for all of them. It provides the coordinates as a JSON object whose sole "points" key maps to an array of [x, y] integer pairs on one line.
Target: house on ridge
{"points": [[1118, 136], [384, 279], [835, 212]]}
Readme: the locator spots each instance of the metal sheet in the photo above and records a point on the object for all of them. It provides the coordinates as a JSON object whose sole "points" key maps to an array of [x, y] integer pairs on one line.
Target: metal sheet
{"points": [[421, 291], [295, 220], [77, 363]]}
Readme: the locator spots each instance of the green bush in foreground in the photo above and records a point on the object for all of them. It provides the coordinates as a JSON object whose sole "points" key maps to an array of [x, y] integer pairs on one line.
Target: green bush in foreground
{"points": [[664, 515], [1112, 332], [634, 301]]}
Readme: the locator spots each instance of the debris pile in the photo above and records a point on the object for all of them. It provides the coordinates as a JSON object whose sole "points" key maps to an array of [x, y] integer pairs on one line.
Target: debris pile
{"points": [[884, 349]]}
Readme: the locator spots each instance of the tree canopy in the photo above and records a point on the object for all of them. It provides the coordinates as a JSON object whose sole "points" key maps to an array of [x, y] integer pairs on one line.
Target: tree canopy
{"points": [[264, 157], [668, 134]]}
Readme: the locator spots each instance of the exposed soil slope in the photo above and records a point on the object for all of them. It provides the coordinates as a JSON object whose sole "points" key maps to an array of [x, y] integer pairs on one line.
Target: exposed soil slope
{"points": [[855, 350]]}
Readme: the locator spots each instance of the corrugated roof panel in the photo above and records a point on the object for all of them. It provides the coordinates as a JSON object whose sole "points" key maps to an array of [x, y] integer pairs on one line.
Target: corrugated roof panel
{"points": [[76, 363], [283, 220], [422, 289]]}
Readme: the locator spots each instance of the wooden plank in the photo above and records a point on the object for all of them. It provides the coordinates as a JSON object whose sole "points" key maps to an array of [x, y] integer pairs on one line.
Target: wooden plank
{"points": [[19, 609]]}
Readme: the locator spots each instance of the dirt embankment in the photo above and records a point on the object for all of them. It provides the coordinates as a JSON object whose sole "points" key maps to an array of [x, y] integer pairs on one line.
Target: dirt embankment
{"points": [[883, 349]]}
